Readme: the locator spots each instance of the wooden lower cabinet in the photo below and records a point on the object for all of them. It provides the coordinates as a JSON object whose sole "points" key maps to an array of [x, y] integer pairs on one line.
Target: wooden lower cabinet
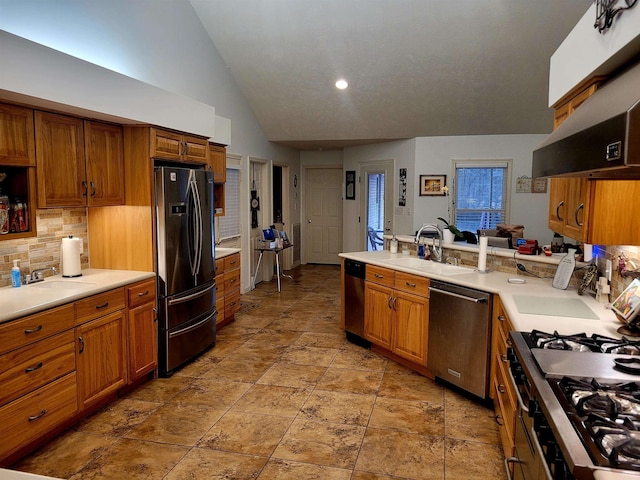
{"points": [[395, 319], [502, 389], [100, 354], [227, 288], [61, 364]]}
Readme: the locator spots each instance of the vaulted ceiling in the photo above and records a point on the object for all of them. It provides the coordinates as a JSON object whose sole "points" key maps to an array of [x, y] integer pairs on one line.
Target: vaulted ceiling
{"points": [[415, 67]]}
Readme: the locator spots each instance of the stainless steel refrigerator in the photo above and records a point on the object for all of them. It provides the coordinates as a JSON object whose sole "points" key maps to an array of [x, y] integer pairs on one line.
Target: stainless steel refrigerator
{"points": [[185, 265]]}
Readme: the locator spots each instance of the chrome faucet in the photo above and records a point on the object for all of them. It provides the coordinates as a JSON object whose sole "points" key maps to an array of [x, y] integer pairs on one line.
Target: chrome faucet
{"points": [[436, 251], [36, 275]]}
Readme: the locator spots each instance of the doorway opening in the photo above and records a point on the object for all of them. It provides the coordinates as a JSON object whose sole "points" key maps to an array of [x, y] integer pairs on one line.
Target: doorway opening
{"points": [[377, 203]]}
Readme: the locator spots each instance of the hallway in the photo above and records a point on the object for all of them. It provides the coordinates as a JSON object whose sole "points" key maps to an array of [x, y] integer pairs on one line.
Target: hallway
{"points": [[283, 396]]}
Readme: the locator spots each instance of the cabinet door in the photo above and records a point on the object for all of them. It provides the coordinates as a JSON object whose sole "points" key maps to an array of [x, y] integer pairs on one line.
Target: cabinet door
{"points": [[104, 164], [195, 150], [167, 145], [614, 226], [411, 327], [218, 163], [378, 314], [558, 204], [100, 358], [59, 161], [577, 219], [17, 144], [143, 340]]}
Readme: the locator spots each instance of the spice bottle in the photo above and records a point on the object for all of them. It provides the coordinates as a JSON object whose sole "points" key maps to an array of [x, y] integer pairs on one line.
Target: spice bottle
{"points": [[4, 214]]}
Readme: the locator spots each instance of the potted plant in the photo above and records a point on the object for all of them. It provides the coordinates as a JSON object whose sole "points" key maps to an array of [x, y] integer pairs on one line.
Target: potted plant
{"points": [[450, 232]]}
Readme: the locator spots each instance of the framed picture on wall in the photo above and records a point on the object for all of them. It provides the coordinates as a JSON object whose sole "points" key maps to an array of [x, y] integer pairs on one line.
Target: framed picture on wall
{"points": [[432, 185], [350, 184]]}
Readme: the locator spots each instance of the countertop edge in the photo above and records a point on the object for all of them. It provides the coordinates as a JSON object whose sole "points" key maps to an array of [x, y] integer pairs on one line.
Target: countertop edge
{"points": [[19, 302], [222, 252]]}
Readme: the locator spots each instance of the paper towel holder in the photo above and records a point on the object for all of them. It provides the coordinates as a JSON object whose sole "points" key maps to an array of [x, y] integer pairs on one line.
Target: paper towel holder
{"points": [[70, 263]]}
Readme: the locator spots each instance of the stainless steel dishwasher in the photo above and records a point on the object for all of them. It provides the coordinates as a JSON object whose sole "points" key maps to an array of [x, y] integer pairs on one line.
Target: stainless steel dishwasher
{"points": [[460, 336], [353, 301]]}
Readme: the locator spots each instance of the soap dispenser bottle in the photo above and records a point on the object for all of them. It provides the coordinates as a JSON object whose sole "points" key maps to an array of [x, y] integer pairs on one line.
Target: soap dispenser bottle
{"points": [[15, 275]]}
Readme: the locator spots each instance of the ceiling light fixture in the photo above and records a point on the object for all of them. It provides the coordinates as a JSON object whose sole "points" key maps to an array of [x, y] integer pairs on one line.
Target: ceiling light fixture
{"points": [[341, 84]]}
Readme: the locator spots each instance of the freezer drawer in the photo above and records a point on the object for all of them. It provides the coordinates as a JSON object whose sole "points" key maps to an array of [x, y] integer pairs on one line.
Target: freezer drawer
{"points": [[186, 341], [178, 309]]}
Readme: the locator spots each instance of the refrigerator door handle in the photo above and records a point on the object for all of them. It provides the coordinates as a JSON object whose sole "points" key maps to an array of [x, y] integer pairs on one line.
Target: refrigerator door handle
{"points": [[187, 298], [195, 222], [198, 226], [192, 327]]}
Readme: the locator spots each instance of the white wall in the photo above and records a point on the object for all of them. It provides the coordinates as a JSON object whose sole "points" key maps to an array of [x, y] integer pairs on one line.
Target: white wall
{"points": [[434, 155], [403, 153], [162, 43]]}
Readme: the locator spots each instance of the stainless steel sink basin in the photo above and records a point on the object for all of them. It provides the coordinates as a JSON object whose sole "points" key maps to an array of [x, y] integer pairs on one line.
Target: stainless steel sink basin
{"points": [[428, 266], [61, 284]]}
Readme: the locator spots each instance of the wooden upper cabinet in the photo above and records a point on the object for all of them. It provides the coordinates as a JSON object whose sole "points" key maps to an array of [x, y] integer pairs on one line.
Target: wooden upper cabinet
{"points": [[17, 144], [218, 163], [59, 160], [78, 162], [178, 147]]}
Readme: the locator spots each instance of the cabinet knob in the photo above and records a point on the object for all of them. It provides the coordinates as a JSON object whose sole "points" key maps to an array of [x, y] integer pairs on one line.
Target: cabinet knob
{"points": [[499, 420], [577, 212], [558, 211], [81, 340], [36, 417], [86, 188], [501, 388], [93, 189]]}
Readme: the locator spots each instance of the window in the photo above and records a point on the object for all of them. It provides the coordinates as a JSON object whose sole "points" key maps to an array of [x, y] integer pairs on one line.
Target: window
{"points": [[481, 196], [229, 224]]}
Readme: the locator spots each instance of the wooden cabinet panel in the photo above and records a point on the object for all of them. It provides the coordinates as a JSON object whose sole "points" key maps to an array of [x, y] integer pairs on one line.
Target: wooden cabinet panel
{"points": [[218, 163], [412, 284], [614, 225], [104, 154], [231, 303], [179, 147], [17, 142], [59, 160], [231, 261], [378, 313], [35, 365], [100, 358], [98, 305], [196, 150], [410, 336], [232, 280], [380, 275], [141, 292], [558, 204], [31, 416], [143, 340], [18, 333]]}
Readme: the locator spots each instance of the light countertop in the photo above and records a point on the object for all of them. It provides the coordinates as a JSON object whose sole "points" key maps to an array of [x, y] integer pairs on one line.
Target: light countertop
{"points": [[222, 252], [56, 290], [16, 475], [497, 283]]}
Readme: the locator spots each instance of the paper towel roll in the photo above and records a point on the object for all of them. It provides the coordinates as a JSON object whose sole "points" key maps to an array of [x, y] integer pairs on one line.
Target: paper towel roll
{"points": [[70, 256], [482, 254]]}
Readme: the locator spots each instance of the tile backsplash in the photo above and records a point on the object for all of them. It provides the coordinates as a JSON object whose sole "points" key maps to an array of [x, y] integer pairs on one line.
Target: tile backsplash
{"points": [[43, 250]]}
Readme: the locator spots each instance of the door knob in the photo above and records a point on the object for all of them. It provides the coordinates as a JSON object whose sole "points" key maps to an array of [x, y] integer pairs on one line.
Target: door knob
{"points": [[309, 220]]}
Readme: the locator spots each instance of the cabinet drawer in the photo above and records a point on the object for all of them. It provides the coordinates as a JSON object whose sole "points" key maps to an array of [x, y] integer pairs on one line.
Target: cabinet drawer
{"points": [[98, 305], [31, 416], [231, 280], [220, 307], [231, 303], [412, 284], [36, 365], [505, 411], [219, 266], [17, 333], [231, 262], [141, 292], [380, 275]]}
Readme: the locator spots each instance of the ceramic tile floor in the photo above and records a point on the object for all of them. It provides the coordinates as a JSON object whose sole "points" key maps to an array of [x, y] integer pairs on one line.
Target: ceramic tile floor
{"points": [[283, 396]]}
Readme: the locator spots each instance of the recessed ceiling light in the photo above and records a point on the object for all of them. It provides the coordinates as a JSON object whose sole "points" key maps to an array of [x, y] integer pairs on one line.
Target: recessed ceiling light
{"points": [[342, 84]]}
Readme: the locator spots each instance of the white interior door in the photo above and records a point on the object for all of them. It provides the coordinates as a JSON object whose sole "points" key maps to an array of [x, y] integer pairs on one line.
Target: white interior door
{"points": [[323, 205], [377, 182]]}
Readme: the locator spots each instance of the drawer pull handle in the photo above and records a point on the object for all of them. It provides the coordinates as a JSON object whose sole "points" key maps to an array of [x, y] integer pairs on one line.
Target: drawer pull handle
{"points": [[36, 417], [81, 340], [413, 285], [377, 275], [33, 369], [502, 318], [233, 304], [499, 420], [142, 294], [504, 358], [501, 388], [103, 305], [509, 342], [33, 330]]}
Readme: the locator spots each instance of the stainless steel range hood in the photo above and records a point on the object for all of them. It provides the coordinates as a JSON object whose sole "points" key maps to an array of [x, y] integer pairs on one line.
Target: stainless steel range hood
{"points": [[601, 139]]}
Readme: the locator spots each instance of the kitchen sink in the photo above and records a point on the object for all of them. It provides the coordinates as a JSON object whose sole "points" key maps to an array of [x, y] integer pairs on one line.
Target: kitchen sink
{"points": [[61, 284], [427, 266]]}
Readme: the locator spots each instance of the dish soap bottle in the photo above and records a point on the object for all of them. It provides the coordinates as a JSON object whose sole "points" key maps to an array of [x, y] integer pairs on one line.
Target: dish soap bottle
{"points": [[15, 275], [565, 270], [394, 244]]}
